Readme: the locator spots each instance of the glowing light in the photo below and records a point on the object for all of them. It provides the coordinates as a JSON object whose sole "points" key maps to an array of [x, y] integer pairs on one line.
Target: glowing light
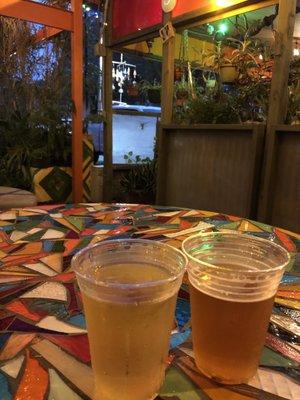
{"points": [[88, 9], [261, 57], [296, 52], [223, 28], [224, 3]]}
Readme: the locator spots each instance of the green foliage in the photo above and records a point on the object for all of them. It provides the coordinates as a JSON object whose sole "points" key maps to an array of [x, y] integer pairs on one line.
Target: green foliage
{"points": [[208, 110], [35, 128], [140, 182]]}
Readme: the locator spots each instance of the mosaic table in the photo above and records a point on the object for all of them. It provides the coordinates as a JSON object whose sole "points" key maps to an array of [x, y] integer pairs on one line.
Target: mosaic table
{"points": [[44, 351]]}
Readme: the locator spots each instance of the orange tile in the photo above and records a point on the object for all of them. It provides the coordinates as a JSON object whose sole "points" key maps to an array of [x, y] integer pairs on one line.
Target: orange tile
{"points": [[35, 381]]}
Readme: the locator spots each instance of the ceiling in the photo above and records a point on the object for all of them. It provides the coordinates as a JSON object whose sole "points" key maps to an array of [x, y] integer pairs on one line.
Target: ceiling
{"points": [[252, 17]]}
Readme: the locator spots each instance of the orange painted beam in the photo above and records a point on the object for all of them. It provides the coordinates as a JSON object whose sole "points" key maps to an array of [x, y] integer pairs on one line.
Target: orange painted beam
{"points": [[37, 13], [77, 97], [46, 33]]}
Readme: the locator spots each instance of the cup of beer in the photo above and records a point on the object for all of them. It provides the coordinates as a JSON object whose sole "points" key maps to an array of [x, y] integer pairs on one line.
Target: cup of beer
{"points": [[233, 279], [129, 289]]}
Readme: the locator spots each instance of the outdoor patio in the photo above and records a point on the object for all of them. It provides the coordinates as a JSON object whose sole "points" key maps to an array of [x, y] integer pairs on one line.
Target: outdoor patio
{"points": [[145, 119]]}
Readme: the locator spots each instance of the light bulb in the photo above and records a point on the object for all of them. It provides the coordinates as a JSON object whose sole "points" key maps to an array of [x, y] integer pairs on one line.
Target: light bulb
{"points": [[296, 52], [224, 3]]}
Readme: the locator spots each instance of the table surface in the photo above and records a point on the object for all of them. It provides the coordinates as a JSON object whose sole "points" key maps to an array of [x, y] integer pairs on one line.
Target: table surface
{"points": [[44, 352]]}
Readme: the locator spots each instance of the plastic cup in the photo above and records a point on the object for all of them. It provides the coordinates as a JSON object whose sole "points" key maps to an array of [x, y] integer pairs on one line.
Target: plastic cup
{"points": [[233, 280], [129, 290]]}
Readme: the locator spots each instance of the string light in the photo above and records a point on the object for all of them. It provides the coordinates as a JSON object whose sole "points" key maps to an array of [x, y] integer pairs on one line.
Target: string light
{"points": [[296, 52], [223, 29], [261, 57]]}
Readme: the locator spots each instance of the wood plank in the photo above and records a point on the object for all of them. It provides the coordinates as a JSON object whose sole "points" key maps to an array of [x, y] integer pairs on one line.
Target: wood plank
{"points": [[108, 97], [280, 192], [38, 13], [46, 33], [167, 76], [77, 98], [213, 169], [282, 59], [161, 162], [278, 100]]}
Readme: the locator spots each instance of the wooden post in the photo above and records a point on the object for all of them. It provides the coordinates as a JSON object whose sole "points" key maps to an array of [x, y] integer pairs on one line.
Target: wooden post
{"points": [[107, 102], [283, 54], [278, 99], [77, 98], [167, 76]]}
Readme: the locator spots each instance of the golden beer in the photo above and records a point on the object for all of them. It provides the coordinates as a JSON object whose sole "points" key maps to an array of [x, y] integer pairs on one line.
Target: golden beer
{"points": [[129, 340], [228, 336], [129, 289], [233, 280]]}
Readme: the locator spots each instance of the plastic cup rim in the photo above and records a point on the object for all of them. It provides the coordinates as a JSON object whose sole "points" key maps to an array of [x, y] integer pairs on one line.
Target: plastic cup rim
{"points": [[127, 286], [216, 267]]}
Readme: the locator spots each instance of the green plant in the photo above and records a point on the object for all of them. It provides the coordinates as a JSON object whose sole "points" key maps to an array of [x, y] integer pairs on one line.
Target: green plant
{"points": [[246, 54], [145, 86], [140, 182], [35, 124]]}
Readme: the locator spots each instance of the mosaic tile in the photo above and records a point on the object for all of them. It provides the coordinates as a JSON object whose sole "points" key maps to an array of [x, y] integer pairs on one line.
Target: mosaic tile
{"points": [[35, 381], [6, 322], [283, 348], [12, 368], [4, 338], [51, 323], [44, 240], [17, 235], [16, 343], [59, 390], [249, 227], [78, 345], [41, 269], [53, 234], [277, 383], [5, 393], [49, 307], [78, 320], [286, 323], [288, 303], [177, 383], [48, 290], [285, 240], [18, 307], [67, 365]]}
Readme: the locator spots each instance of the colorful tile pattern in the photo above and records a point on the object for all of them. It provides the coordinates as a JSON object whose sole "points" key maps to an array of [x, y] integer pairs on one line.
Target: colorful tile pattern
{"points": [[44, 350]]}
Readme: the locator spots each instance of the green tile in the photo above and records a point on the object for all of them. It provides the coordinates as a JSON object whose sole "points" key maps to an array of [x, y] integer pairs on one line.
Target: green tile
{"points": [[177, 384]]}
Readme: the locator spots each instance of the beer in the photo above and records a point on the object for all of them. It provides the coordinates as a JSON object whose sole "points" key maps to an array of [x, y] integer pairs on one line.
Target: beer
{"points": [[228, 336], [233, 280], [129, 338]]}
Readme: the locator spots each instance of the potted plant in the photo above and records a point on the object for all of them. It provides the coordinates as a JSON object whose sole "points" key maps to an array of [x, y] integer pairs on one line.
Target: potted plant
{"points": [[178, 72], [181, 92], [219, 62], [133, 90], [244, 57], [139, 184], [152, 91]]}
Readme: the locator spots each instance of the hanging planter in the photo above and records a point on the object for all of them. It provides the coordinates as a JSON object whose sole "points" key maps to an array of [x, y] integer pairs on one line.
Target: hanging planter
{"points": [[228, 73], [178, 73], [133, 90], [182, 96]]}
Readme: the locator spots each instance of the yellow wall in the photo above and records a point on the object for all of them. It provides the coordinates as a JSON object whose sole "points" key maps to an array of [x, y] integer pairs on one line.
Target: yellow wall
{"points": [[156, 50]]}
